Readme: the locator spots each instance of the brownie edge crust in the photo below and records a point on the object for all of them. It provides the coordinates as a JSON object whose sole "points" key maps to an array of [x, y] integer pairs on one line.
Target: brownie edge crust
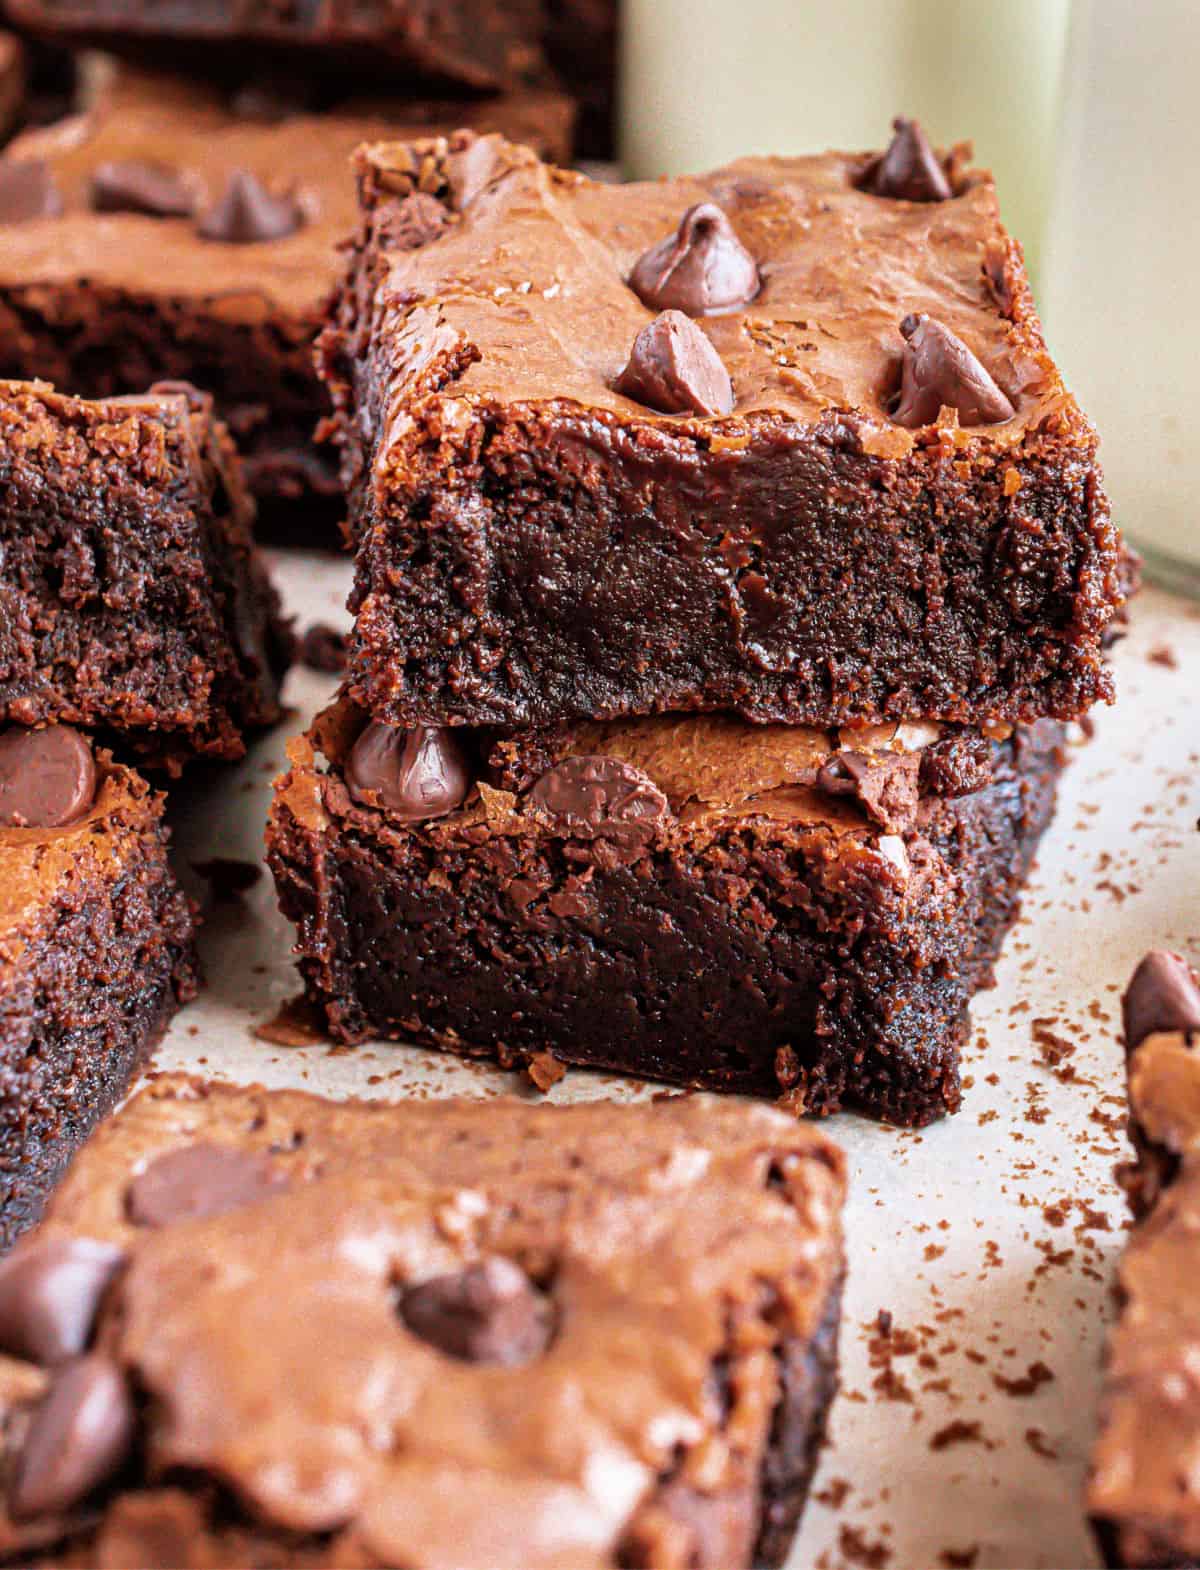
{"points": [[596, 1336]]}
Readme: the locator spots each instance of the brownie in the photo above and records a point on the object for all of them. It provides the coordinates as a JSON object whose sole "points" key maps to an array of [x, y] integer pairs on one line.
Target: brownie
{"points": [[95, 951], [581, 41], [762, 440], [13, 82], [1143, 1491], [771, 910], [484, 45], [132, 599], [166, 260], [430, 1334]]}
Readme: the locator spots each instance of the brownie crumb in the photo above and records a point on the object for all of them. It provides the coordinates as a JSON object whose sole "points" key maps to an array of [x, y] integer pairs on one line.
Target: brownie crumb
{"points": [[1028, 1384], [296, 1024], [1162, 654], [959, 1558], [545, 1070], [323, 648], [857, 1550]]}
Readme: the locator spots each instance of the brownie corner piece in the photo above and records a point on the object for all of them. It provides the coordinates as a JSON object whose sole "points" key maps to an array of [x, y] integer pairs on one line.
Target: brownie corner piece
{"points": [[588, 1335], [843, 483], [1143, 1498], [96, 951], [133, 601], [769, 910]]}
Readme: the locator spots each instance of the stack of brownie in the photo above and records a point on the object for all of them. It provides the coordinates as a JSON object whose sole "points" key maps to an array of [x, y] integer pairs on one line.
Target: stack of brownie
{"points": [[729, 556]]}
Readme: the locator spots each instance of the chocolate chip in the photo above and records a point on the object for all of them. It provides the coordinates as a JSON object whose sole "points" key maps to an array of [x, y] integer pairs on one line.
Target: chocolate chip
{"points": [[590, 798], [198, 1181], [413, 775], [488, 1313], [27, 190], [248, 213], [675, 369], [49, 1293], [939, 372], [47, 777], [910, 169], [1163, 996], [323, 648], [153, 189], [78, 1438], [702, 267]]}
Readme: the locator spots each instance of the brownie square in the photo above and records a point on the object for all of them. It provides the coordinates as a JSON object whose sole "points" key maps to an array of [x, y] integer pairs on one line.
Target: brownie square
{"points": [[13, 82], [535, 543], [95, 955], [132, 599], [775, 910], [1143, 1493], [486, 45], [432, 1334], [120, 288]]}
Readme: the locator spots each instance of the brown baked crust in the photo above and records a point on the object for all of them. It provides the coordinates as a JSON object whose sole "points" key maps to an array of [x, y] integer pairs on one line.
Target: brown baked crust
{"points": [[107, 303], [691, 1247], [132, 599], [1143, 1490], [766, 938], [96, 953], [484, 44], [532, 545]]}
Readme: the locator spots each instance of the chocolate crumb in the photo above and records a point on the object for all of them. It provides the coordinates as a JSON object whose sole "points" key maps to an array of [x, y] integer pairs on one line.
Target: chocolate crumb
{"points": [[323, 648]]}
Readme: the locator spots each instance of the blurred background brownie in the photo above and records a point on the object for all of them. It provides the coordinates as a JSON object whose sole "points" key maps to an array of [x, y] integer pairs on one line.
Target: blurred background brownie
{"points": [[431, 1333], [1143, 1492], [190, 232], [95, 951], [132, 598], [771, 910], [775, 439]]}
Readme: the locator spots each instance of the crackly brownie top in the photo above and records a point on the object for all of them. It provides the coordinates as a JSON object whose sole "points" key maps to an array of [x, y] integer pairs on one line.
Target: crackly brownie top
{"points": [[1146, 1465], [138, 192], [532, 287], [430, 1334]]}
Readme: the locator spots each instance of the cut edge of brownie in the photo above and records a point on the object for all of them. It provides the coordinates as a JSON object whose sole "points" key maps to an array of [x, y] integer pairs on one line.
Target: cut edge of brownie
{"points": [[89, 984], [888, 955]]}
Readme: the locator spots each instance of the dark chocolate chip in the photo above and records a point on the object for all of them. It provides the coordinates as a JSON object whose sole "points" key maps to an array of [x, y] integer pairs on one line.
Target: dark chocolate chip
{"points": [[323, 648], [47, 777], [198, 1181], [153, 189], [412, 774], [910, 169], [49, 1293], [702, 267], [939, 372], [248, 213], [675, 369], [591, 797], [78, 1438], [488, 1313], [27, 190], [1163, 996]]}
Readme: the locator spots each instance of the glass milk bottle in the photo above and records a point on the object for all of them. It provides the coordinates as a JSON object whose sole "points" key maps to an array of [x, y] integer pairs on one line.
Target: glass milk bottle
{"points": [[1121, 301]]}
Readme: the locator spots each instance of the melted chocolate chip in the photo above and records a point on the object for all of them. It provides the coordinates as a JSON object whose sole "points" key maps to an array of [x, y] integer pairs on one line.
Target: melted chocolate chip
{"points": [[248, 213], [703, 267], [153, 189], [27, 190], [78, 1438], [198, 1181], [47, 777], [1163, 996], [49, 1293], [413, 775], [910, 169], [488, 1313], [939, 372], [591, 798], [675, 369]]}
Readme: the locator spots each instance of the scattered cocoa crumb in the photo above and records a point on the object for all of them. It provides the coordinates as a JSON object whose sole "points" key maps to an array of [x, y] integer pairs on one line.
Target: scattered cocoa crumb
{"points": [[835, 1493], [859, 1551], [296, 1024], [545, 1070], [1028, 1384], [1163, 654], [323, 648], [227, 877], [883, 1322], [957, 1433], [959, 1558], [1036, 1439]]}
